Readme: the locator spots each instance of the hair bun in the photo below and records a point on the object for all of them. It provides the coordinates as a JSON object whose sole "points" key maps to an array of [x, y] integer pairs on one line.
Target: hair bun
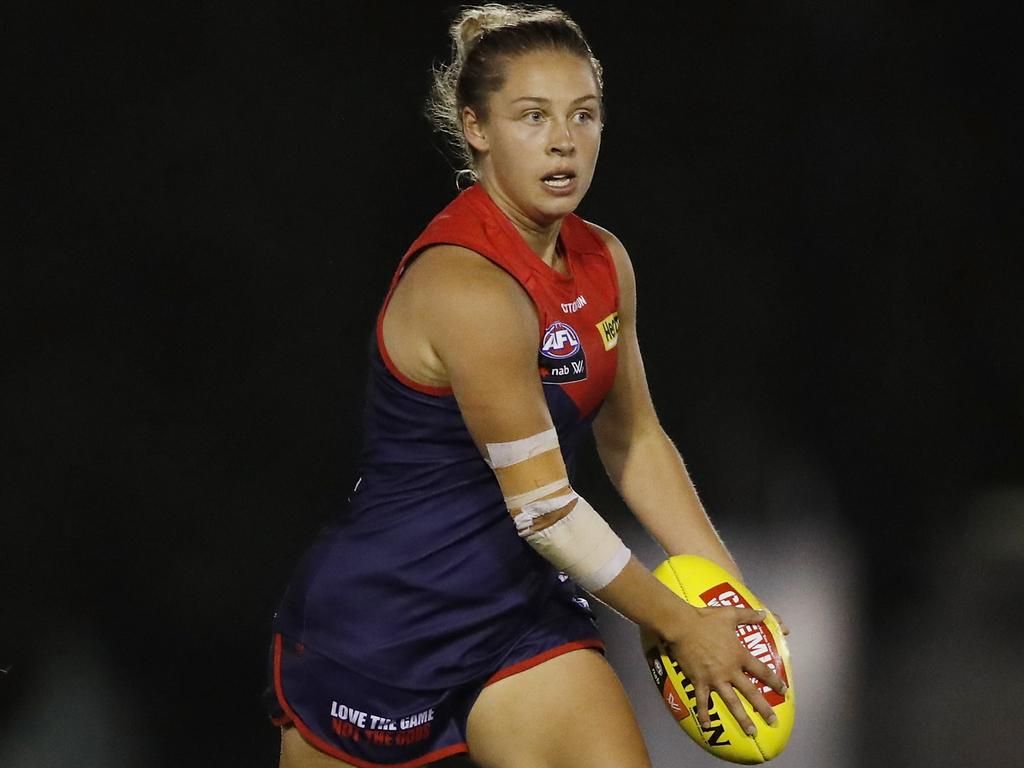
{"points": [[474, 22]]}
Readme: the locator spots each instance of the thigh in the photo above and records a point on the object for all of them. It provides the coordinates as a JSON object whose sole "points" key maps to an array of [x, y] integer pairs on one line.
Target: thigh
{"points": [[296, 752], [567, 712]]}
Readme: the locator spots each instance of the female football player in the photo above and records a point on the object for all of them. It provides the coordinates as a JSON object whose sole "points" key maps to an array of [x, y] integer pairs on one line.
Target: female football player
{"points": [[440, 613]]}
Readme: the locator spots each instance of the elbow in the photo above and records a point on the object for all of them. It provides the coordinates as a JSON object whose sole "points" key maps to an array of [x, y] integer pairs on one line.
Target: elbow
{"points": [[615, 444]]}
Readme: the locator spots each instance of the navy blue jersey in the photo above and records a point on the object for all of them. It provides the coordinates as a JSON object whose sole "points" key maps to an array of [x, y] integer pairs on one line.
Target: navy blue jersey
{"points": [[424, 577]]}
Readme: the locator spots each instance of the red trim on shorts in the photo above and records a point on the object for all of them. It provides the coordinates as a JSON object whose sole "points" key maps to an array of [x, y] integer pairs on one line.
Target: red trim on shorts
{"points": [[540, 658], [334, 751]]}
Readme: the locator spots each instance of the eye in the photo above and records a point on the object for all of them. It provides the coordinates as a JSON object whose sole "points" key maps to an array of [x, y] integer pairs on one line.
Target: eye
{"points": [[583, 116], [534, 116]]}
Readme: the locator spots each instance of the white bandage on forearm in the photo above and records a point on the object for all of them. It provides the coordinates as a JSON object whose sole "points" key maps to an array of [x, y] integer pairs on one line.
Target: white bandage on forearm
{"points": [[500, 455], [540, 507], [520, 500], [583, 545]]}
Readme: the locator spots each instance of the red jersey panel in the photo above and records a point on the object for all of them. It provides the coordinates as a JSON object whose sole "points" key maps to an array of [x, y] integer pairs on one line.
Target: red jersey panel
{"points": [[577, 312]]}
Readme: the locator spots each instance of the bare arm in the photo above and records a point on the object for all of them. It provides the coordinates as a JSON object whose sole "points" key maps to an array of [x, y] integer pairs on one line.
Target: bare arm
{"points": [[640, 459]]}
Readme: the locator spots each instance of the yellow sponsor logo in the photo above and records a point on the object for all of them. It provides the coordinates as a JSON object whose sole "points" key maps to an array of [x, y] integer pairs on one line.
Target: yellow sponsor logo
{"points": [[609, 329]]}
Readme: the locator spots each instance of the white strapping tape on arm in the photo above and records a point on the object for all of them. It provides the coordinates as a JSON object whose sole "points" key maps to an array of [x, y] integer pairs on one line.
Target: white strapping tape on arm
{"points": [[583, 545], [541, 507], [520, 500], [501, 455]]}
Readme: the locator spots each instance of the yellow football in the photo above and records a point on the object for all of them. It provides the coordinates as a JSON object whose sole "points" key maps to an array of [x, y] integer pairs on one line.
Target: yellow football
{"points": [[703, 583]]}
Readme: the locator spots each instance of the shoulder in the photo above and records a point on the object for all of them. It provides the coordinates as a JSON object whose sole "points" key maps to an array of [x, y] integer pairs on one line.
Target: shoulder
{"points": [[457, 285], [620, 257]]}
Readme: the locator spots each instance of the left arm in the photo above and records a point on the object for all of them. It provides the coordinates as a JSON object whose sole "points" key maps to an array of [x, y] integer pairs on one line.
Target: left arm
{"points": [[643, 464]]}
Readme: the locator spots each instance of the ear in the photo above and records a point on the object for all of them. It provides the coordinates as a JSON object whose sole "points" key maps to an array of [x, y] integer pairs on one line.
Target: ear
{"points": [[474, 130]]}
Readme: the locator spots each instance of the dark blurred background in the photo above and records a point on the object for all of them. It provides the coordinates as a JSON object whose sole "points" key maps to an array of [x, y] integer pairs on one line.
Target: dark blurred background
{"points": [[205, 202]]}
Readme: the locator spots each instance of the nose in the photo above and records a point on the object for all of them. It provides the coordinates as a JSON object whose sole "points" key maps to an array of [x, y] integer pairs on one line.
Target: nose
{"points": [[561, 141]]}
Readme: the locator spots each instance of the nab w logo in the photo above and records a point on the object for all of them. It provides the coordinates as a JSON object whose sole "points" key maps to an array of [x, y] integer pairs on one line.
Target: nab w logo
{"points": [[560, 342], [561, 359]]}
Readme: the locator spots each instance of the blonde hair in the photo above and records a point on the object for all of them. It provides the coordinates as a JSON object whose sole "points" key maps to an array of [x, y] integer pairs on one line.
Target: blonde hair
{"points": [[484, 38]]}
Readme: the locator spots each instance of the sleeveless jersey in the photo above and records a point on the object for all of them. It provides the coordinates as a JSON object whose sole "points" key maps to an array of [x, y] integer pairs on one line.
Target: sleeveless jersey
{"points": [[424, 581]]}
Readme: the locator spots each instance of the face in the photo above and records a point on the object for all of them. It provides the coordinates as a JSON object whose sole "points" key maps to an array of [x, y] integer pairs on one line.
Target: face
{"points": [[538, 145]]}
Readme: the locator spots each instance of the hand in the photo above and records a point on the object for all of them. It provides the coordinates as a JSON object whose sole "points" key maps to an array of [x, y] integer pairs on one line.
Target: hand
{"points": [[715, 660]]}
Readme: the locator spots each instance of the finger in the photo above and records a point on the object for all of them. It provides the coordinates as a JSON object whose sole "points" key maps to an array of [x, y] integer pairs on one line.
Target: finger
{"points": [[703, 693], [781, 623], [765, 674], [751, 693], [749, 616], [732, 701]]}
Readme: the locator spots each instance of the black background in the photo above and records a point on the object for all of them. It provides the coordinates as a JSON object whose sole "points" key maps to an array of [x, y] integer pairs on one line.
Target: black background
{"points": [[207, 201]]}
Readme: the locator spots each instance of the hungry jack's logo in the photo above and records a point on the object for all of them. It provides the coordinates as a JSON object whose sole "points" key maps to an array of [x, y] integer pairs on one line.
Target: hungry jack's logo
{"points": [[609, 330]]}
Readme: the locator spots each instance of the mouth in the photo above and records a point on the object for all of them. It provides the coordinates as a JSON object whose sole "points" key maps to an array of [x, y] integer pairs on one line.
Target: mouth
{"points": [[560, 180]]}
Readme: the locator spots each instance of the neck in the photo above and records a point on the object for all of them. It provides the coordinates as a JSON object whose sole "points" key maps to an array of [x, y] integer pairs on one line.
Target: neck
{"points": [[541, 237]]}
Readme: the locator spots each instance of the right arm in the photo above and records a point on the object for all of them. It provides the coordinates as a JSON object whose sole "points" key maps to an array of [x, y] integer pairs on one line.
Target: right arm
{"points": [[459, 319]]}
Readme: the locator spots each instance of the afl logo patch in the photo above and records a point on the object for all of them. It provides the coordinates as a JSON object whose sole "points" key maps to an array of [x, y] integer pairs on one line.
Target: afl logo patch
{"points": [[560, 342], [561, 355]]}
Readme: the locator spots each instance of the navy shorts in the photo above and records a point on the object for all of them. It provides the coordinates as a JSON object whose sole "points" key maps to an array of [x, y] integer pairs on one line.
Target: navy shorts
{"points": [[367, 723]]}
